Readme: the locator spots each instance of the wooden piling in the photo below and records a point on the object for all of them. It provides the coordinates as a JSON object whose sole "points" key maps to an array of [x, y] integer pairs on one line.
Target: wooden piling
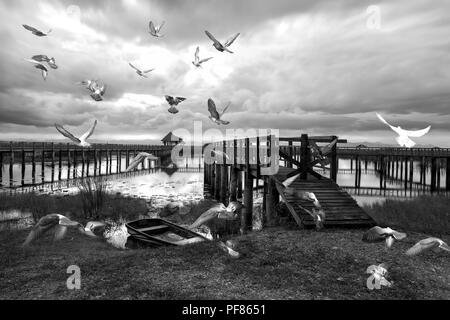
{"points": [[87, 163], [247, 216], [411, 173], [68, 161], [23, 165], [1, 168], [233, 184], [433, 174], [75, 175], [59, 163], [304, 156], [83, 161], [11, 165], [53, 162], [95, 162], [447, 174]]}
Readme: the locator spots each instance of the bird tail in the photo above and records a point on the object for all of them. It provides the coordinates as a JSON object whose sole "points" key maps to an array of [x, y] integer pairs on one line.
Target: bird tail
{"points": [[228, 50], [405, 141]]}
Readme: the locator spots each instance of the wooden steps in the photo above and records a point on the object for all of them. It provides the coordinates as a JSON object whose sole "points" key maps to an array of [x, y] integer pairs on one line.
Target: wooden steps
{"points": [[340, 208]]}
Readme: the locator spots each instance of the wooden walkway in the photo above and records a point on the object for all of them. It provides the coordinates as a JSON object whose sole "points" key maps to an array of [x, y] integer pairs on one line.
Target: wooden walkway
{"points": [[340, 208]]}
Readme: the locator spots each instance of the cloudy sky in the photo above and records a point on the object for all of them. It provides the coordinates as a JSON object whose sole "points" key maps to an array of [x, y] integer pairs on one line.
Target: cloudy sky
{"points": [[316, 67]]}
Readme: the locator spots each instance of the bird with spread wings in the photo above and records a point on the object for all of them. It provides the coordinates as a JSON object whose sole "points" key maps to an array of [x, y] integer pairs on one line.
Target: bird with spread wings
{"points": [[81, 142]]}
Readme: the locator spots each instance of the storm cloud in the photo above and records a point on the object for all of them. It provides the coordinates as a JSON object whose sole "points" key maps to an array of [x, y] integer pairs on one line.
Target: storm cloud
{"points": [[298, 66]]}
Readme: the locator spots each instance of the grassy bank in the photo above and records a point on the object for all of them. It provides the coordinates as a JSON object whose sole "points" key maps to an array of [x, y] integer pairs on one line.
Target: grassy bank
{"points": [[275, 264], [74, 206], [429, 214]]}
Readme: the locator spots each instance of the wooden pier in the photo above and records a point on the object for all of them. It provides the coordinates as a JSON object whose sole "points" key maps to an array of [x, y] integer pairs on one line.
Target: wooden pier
{"points": [[75, 160], [398, 164], [235, 174]]}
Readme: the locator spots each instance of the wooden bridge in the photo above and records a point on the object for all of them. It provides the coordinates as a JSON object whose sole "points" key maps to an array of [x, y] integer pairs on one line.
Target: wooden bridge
{"points": [[68, 162], [237, 167], [399, 163]]}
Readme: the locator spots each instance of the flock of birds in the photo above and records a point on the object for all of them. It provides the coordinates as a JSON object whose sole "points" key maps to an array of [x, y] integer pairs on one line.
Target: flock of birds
{"points": [[97, 88]]}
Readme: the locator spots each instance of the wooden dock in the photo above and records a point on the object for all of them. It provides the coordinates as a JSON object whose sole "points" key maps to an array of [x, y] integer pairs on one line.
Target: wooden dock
{"points": [[235, 173], [339, 207]]}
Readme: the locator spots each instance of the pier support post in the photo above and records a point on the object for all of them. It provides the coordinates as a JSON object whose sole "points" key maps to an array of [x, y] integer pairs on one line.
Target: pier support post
{"points": [[59, 163], [447, 174], [224, 185], [304, 156], [217, 181], [23, 165], [53, 162], [247, 212], [272, 198], [11, 165], [233, 184], [334, 162], [433, 175]]}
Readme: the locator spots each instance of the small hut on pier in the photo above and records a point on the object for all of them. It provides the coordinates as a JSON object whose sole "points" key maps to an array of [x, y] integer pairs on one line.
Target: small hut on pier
{"points": [[171, 140]]}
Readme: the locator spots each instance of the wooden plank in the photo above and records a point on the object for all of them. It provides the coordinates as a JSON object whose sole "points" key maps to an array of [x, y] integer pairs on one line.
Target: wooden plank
{"points": [[289, 206]]}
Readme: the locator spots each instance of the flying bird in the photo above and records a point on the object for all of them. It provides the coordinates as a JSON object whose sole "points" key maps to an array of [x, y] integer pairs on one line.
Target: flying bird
{"points": [[219, 46], [403, 135], [81, 142], [429, 243], [140, 72], [56, 222], [378, 234], [214, 115], [97, 90], [43, 58], [140, 158], [155, 31], [220, 154], [197, 62], [39, 66], [35, 31], [173, 101]]}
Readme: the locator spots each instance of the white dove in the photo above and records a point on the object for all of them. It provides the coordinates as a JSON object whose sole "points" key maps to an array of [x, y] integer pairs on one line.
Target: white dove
{"points": [[140, 72], [81, 142], [140, 158], [429, 243], [214, 115], [219, 46], [57, 222], [378, 234], [197, 62], [155, 31], [35, 31], [173, 101], [403, 135], [39, 66]]}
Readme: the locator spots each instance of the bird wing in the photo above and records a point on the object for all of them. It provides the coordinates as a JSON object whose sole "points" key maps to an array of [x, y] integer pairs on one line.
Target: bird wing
{"points": [[286, 183], [160, 26], [149, 156], [328, 148], [66, 133], [444, 246], [169, 99], [212, 37], [44, 73], [374, 234], [36, 63], [212, 109], [103, 89], [149, 70], [417, 133], [225, 109], [30, 28], [35, 233], [180, 99], [131, 65], [419, 247], [398, 235], [386, 123], [204, 60], [85, 136], [196, 58], [40, 58], [152, 27], [135, 162], [231, 40], [60, 232]]}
